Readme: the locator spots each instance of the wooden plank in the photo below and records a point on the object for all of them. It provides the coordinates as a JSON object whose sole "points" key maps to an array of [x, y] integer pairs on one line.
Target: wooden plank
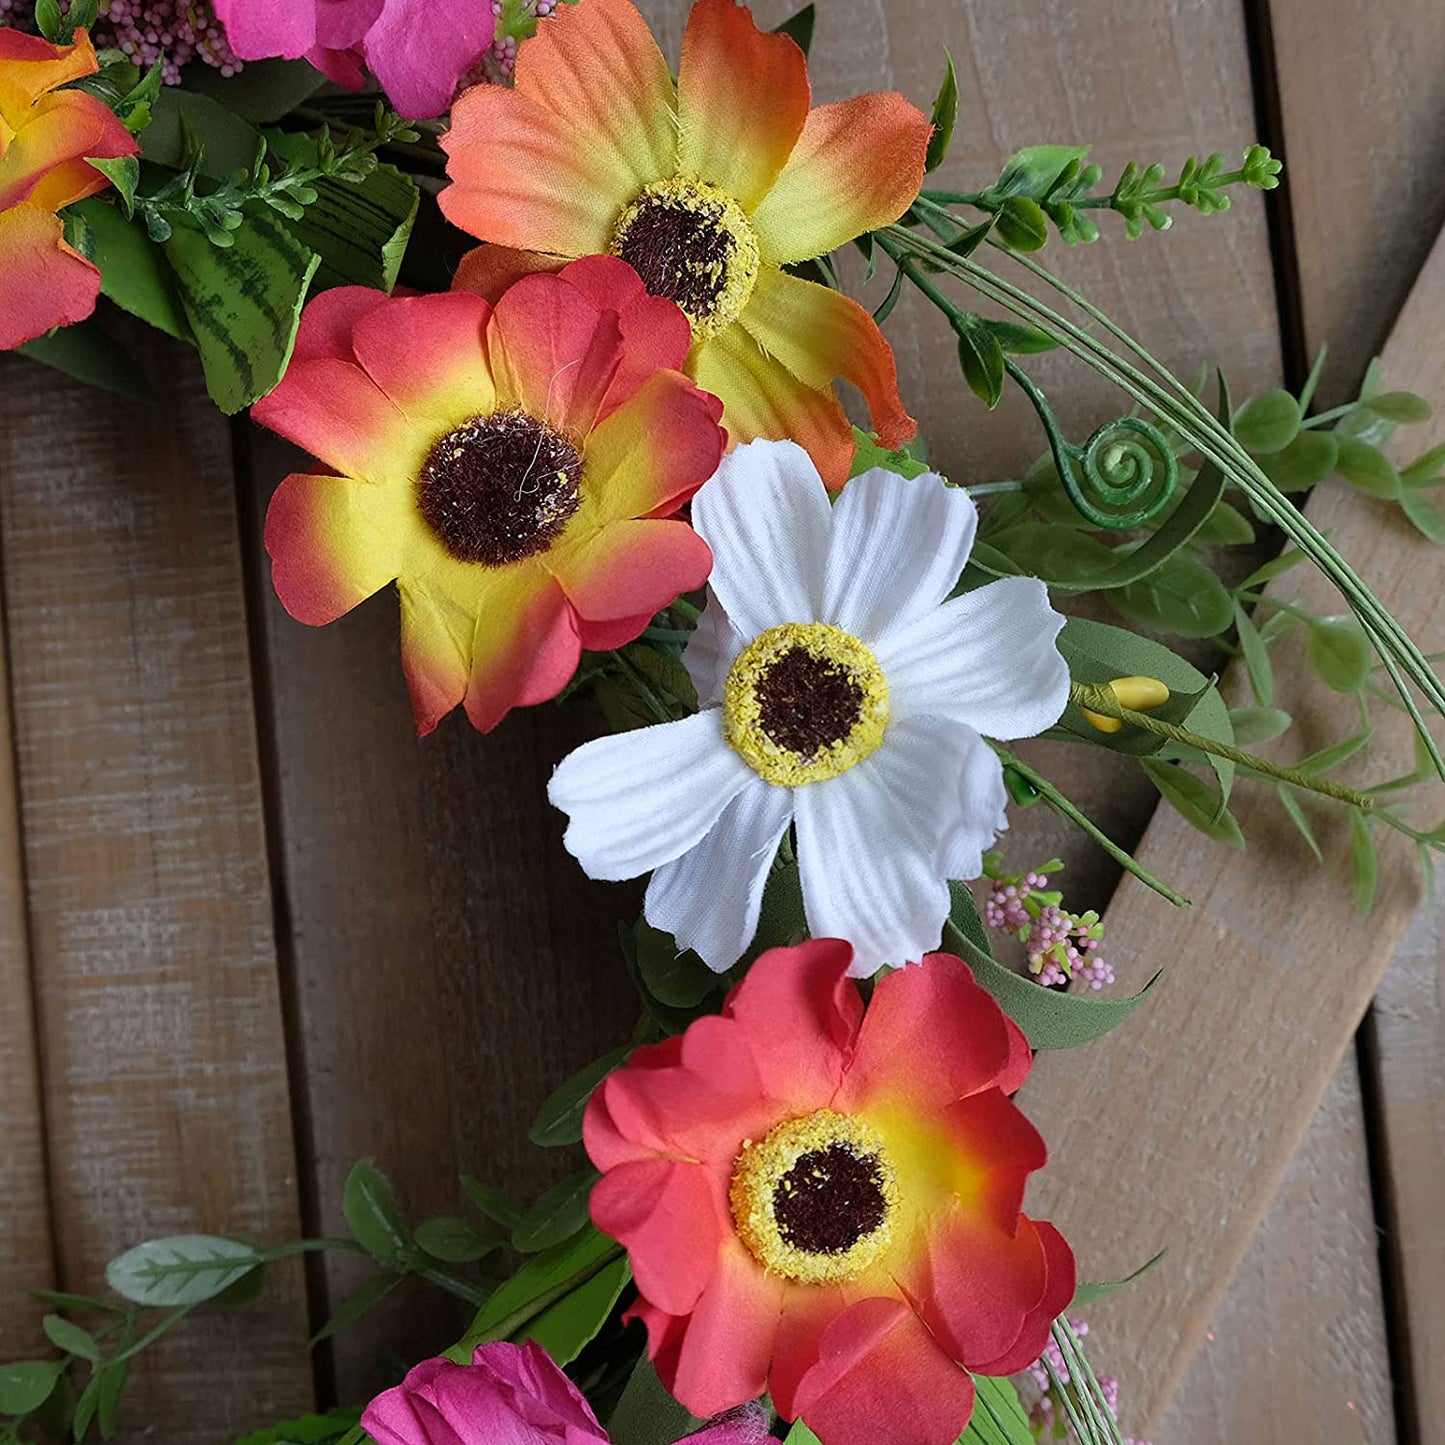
{"points": [[1273, 972], [1365, 195], [1296, 1351], [27, 1251], [164, 1067]]}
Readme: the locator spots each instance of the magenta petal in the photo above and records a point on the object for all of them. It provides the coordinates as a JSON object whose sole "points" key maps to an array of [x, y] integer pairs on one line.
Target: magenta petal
{"points": [[419, 50], [259, 29]]}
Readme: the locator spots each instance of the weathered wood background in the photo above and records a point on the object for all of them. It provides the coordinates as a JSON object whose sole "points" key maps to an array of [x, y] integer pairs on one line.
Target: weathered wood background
{"points": [[250, 929]]}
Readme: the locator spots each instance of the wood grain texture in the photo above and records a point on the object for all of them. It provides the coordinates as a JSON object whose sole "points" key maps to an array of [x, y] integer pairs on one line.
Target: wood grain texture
{"points": [[1269, 981], [164, 1073], [1297, 1350], [1365, 195], [27, 1251]]}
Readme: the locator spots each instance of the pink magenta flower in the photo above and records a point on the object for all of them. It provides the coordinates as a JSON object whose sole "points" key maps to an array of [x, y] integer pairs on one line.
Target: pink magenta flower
{"points": [[510, 1395], [418, 49]]}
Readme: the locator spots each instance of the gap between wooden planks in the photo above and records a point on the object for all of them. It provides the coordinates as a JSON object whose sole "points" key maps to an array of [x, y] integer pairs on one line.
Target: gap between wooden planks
{"points": [[1177, 1129]]}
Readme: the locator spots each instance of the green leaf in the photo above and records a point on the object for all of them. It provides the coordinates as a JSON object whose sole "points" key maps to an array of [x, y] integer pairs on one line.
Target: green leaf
{"points": [[1182, 596], [26, 1385], [68, 1336], [1087, 1293], [673, 976], [1297, 816], [88, 354], [1364, 864], [1021, 224], [1019, 340], [1253, 725], [1195, 801], [1403, 407], [565, 1329], [1268, 423], [491, 1203], [1424, 515], [1049, 1019], [559, 1121], [1337, 754], [109, 1394], [183, 1269], [667, 675], [869, 454], [325, 1429], [361, 1301], [1425, 468], [647, 1414], [1227, 526], [1368, 468], [800, 27], [800, 1434], [1304, 463], [998, 1416], [454, 1240], [1340, 652], [76, 1303], [945, 115], [557, 1215], [86, 1406], [369, 1204], [262, 92], [123, 172], [1256, 657], [1060, 554], [1034, 170], [180, 118], [243, 303], [134, 271], [981, 358]]}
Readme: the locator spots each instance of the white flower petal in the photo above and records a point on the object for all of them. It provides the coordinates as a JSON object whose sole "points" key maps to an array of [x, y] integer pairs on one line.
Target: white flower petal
{"points": [[710, 898], [641, 799], [982, 813], [711, 651], [898, 549], [767, 518], [868, 846], [988, 659]]}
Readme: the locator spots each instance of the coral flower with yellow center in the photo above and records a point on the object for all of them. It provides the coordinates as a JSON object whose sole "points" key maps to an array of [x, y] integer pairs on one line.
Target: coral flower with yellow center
{"points": [[824, 1203], [513, 469], [709, 187], [46, 135]]}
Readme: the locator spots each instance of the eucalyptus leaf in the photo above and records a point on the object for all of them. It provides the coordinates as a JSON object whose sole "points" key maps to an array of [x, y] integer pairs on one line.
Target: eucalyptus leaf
{"points": [[182, 1269], [1403, 407], [1268, 423], [1424, 515], [1182, 596], [1227, 526], [1195, 801], [1426, 468], [1254, 725], [559, 1121], [945, 115], [1368, 468], [1304, 463], [491, 1203], [1339, 652], [557, 1215], [26, 1384], [66, 1335], [369, 1204], [454, 1240]]}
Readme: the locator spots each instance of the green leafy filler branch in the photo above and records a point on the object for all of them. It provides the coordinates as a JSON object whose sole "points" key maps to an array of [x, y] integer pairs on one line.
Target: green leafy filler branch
{"points": [[1149, 514]]}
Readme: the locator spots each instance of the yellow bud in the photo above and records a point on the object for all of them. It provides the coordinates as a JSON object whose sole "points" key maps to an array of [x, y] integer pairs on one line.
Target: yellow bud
{"points": [[1138, 694]]}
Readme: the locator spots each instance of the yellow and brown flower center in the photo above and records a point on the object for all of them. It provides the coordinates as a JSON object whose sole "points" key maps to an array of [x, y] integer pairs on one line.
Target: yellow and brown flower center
{"points": [[815, 1200], [691, 242], [500, 488], [805, 702]]}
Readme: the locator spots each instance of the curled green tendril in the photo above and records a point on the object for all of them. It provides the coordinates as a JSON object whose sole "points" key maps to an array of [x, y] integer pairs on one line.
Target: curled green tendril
{"points": [[1125, 475]]}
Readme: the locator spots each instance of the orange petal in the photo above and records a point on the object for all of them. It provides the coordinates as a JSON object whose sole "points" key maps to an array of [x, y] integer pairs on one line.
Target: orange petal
{"points": [[333, 541], [762, 399], [820, 334], [596, 65], [631, 570], [525, 176], [30, 66], [489, 270], [653, 453], [858, 166], [43, 282], [44, 161], [743, 98]]}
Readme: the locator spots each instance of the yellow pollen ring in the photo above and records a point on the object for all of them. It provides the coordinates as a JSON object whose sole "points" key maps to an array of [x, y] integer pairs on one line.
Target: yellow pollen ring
{"points": [[744, 725], [763, 1168], [727, 281]]}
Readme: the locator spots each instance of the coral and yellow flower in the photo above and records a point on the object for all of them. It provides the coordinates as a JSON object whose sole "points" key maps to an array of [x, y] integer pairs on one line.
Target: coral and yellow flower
{"points": [[511, 468], [709, 187], [46, 135], [825, 1203]]}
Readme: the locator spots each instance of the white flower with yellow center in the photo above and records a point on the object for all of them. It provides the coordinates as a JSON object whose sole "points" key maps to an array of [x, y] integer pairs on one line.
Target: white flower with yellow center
{"points": [[843, 691]]}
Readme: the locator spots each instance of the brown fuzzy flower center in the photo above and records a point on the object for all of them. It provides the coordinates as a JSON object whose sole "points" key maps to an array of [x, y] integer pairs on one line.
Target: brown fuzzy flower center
{"points": [[500, 488], [808, 701], [691, 242], [830, 1199]]}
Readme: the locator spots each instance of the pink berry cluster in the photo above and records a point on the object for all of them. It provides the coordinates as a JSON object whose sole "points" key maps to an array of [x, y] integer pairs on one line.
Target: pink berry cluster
{"points": [[1048, 1417], [172, 32], [1060, 945], [516, 20]]}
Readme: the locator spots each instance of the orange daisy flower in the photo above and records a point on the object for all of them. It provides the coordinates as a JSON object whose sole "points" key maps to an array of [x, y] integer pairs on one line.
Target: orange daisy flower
{"points": [[46, 133], [510, 468], [709, 187]]}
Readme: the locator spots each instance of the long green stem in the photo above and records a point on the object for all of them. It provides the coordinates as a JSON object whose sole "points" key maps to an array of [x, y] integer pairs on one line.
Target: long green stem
{"points": [[1061, 805], [1100, 698]]}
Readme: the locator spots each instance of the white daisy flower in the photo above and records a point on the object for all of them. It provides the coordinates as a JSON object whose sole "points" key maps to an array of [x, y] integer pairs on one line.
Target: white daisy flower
{"points": [[842, 691]]}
